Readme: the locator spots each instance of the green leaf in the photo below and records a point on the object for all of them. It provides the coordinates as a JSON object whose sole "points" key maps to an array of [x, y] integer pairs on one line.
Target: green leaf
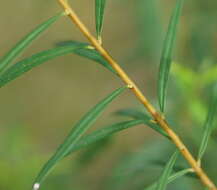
{"points": [[178, 175], [163, 181], [166, 57], [89, 54], [27, 64], [94, 56], [133, 113], [208, 126], [141, 115], [103, 133], [91, 152], [134, 166], [78, 130], [25, 42], [170, 179], [99, 16]]}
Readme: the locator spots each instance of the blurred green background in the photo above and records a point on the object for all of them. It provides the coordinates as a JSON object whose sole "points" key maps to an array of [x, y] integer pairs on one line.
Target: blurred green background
{"points": [[38, 109]]}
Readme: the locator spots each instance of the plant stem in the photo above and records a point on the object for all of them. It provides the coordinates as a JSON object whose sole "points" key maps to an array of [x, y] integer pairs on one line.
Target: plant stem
{"points": [[126, 79]]}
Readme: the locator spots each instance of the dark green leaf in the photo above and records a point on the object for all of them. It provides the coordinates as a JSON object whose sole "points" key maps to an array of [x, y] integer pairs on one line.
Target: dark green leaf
{"points": [[27, 64], [93, 151], [166, 57], [208, 126], [99, 15], [103, 133], [25, 42], [133, 113], [78, 130], [163, 181], [141, 115], [156, 127], [95, 56], [89, 54]]}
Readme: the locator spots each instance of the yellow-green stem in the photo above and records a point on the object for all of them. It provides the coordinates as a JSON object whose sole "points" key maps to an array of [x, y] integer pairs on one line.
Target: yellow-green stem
{"points": [[126, 79]]}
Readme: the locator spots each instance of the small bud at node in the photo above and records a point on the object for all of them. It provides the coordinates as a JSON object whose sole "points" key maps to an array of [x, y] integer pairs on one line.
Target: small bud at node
{"points": [[67, 12], [130, 86], [99, 38], [90, 47], [191, 170], [153, 121]]}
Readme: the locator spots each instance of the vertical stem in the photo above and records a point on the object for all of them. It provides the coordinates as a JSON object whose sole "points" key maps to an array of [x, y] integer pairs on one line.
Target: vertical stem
{"points": [[126, 79]]}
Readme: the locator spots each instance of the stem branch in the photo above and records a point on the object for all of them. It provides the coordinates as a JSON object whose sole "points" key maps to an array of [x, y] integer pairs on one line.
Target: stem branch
{"points": [[126, 79]]}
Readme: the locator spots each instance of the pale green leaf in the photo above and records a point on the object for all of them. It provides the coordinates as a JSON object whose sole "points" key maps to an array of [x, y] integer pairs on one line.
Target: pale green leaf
{"points": [[170, 179], [208, 126], [163, 181]]}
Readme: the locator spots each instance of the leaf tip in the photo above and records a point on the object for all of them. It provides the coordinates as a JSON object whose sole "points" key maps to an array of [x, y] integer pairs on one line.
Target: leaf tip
{"points": [[36, 186]]}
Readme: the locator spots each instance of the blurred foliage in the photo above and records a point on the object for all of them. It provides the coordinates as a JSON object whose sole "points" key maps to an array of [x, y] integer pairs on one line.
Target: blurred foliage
{"points": [[43, 103]]}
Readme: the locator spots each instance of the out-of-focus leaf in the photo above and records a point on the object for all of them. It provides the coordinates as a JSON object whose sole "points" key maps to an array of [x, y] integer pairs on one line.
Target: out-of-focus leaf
{"points": [[170, 179], [166, 57], [27, 64], [208, 126], [25, 42], [178, 175], [163, 181], [209, 76], [99, 16], [92, 151], [148, 23], [89, 54], [132, 168], [185, 76], [147, 120], [78, 130]]}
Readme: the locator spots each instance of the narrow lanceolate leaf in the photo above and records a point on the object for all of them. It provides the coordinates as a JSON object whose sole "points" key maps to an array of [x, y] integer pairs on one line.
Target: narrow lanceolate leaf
{"points": [[208, 126], [99, 15], [166, 57], [170, 179], [163, 181], [133, 113], [27, 64], [94, 56], [78, 130], [178, 175], [25, 42], [147, 120], [103, 133], [89, 54]]}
